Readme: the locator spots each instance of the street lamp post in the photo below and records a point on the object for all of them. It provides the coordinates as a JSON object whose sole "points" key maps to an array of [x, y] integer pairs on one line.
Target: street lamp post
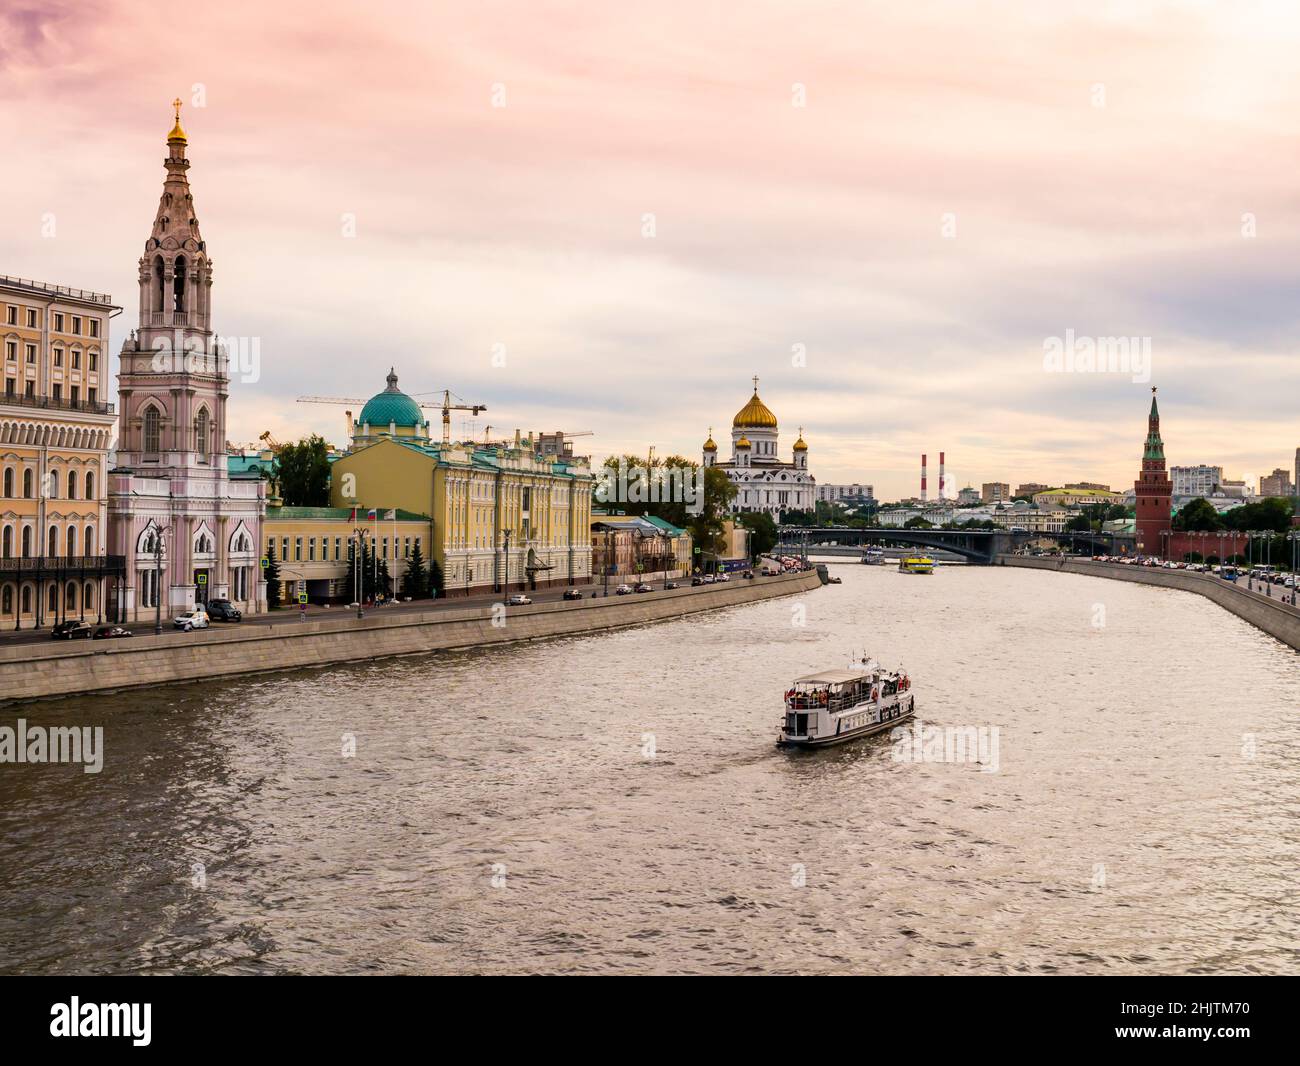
{"points": [[157, 576], [358, 567], [1293, 536]]}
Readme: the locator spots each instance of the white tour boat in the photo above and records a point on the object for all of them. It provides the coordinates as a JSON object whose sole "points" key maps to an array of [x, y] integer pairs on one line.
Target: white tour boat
{"points": [[838, 705], [873, 556]]}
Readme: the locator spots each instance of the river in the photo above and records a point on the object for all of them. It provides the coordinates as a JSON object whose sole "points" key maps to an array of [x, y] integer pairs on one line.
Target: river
{"points": [[615, 803]]}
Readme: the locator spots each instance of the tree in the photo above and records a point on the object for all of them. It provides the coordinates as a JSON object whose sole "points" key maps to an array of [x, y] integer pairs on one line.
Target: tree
{"points": [[1198, 515], [1273, 514], [433, 583], [762, 532], [706, 526], [917, 522], [303, 470], [367, 563], [274, 590], [415, 582]]}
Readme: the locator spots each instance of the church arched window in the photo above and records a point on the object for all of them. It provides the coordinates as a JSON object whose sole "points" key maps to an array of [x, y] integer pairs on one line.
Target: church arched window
{"points": [[178, 285], [152, 429], [201, 433], [160, 282]]}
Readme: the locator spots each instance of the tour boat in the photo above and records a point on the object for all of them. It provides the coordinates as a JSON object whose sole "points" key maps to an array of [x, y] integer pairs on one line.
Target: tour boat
{"points": [[838, 705], [873, 556], [916, 564]]}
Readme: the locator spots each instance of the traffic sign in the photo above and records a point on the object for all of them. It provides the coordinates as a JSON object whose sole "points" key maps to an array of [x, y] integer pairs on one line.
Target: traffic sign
{"points": [[302, 598], [265, 562], [203, 579]]}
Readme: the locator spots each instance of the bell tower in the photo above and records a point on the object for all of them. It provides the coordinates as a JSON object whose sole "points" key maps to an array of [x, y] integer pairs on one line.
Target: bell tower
{"points": [[173, 381]]}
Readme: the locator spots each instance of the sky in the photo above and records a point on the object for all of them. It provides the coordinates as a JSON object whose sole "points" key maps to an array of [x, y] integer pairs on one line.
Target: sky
{"points": [[609, 217]]}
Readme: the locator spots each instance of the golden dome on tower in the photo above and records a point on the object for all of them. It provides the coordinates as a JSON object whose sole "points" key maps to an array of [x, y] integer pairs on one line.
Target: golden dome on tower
{"points": [[755, 414], [800, 445], [743, 442], [177, 133], [710, 445]]}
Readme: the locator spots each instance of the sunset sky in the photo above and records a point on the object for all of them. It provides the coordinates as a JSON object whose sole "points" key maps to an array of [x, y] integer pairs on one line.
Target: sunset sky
{"points": [[1104, 166]]}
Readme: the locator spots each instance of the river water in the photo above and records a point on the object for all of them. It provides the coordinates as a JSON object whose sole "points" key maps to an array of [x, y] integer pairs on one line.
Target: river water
{"points": [[614, 803]]}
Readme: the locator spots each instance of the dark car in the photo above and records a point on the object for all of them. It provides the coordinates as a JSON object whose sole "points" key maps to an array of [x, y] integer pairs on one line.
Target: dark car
{"points": [[111, 632], [670, 585], [697, 581], [572, 594], [71, 629], [223, 611]]}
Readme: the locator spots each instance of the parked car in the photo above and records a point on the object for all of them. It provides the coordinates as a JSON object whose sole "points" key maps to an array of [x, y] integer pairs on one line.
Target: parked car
{"points": [[111, 632], [223, 611], [697, 581], [724, 577], [623, 590], [71, 629], [572, 594], [670, 585], [643, 587], [709, 579], [188, 620], [749, 575], [518, 600]]}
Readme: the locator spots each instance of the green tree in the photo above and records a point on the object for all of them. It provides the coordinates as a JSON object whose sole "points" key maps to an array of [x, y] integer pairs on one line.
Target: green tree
{"points": [[274, 590], [303, 470], [366, 560], [1273, 514], [1197, 515], [706, 526], [917, 522], [434, 585], [415, 582], [762, 532]]}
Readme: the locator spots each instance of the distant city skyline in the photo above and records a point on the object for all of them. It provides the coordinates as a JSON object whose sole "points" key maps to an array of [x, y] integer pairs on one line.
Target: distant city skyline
{"points": [[888, 215]]}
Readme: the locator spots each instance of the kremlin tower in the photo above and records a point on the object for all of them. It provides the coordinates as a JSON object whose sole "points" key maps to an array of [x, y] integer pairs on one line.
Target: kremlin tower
{"points": [[1153, 489]]}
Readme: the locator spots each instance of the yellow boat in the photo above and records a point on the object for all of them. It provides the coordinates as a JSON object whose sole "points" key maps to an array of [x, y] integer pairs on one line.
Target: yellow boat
{"points": [[916, 564]]}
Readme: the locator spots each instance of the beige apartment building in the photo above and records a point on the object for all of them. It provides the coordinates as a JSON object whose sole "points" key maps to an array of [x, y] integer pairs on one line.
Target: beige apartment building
{"points": [[55, 432]]}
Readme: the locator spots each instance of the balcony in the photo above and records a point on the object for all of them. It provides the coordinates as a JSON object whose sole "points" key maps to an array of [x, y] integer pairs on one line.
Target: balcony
{"points": [[48, 403]]}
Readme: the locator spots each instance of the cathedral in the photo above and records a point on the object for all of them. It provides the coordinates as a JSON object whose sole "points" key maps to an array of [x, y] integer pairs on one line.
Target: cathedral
{"points": [[763, 481], [188, 531]]}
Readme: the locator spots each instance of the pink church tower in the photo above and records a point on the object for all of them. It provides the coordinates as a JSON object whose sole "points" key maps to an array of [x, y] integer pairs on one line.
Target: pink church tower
{"points": [[171, 475]]}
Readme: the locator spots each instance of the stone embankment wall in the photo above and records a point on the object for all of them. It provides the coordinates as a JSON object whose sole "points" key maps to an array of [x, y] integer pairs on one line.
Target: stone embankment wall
{"points": [[1275, 618], [32, 671]]}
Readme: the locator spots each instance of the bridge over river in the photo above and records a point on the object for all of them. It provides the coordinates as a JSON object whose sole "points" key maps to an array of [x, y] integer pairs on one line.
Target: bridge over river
{"points": [[974, 545]]}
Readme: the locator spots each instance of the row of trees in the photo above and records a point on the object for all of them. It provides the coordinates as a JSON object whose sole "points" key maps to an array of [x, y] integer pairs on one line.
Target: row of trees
{"points": [[1273, 514]]}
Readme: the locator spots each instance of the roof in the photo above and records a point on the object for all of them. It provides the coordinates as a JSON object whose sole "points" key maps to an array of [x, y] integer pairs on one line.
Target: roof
{"points": [[339, 514], [832, 677], [237, 465], [754, 415], [391, 406], [1077, 492]]}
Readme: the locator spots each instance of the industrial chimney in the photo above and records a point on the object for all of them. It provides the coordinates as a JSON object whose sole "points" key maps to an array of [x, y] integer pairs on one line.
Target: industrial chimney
{"points": [[923, 458], [943, 482]]}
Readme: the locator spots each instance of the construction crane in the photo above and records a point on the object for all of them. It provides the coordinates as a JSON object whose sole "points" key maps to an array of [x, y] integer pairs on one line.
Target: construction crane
{"points": [[446, 407], [270, 441]]}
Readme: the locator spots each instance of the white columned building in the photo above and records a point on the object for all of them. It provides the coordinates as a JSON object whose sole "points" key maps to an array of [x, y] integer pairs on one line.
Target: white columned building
{"points": [[171, 473], [764, 482]]}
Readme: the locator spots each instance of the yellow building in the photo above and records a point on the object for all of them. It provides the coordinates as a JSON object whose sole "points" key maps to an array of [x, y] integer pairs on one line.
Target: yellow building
{"points": [[503, 515], [311, 547], [1075, 497], [55, 433]]}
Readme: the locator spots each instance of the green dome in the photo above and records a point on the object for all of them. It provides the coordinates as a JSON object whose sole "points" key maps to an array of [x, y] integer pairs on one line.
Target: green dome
{"points": [[391, 406]]}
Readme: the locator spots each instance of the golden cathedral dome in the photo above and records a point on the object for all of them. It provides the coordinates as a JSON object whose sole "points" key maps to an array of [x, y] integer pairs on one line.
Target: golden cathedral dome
{"points": [[710, 445], [755, 414], [800, 445], [743, 442]]}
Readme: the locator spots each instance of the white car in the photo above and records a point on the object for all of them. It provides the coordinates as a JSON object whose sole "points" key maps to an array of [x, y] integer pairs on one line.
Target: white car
{"points": [[518, 600], [623, 590], [195, 619], [724, 577]]}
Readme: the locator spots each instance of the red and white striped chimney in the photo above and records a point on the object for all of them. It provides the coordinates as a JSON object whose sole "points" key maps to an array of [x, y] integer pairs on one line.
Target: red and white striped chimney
{"points": [[923, 458], [943, 483]]}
